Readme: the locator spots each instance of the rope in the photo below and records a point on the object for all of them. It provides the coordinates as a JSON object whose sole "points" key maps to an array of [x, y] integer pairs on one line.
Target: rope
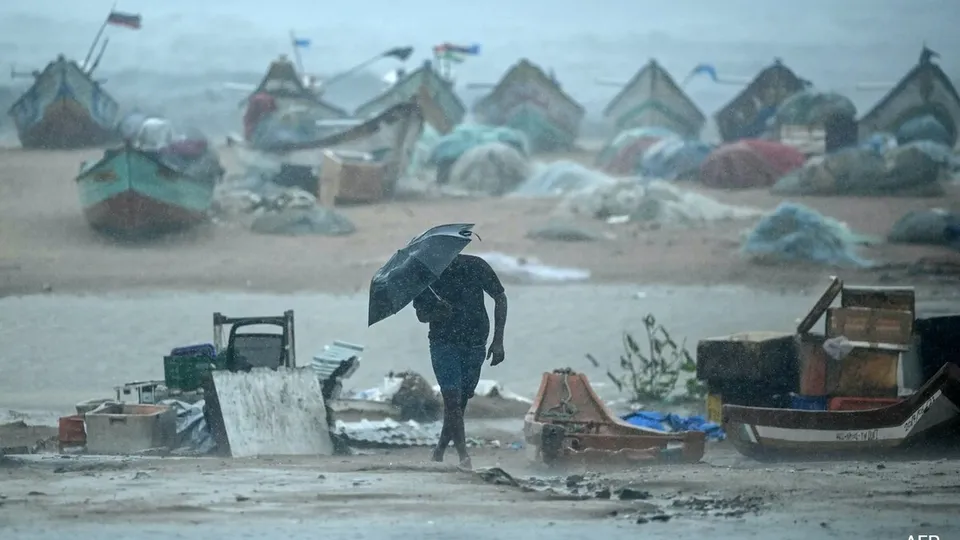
{"points": [[563, 410]]}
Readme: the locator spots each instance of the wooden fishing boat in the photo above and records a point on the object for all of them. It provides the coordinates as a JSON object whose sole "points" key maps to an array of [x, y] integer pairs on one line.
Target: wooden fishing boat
{"points": [[64, 108], [377, 149], [529, 100], [932, 411], [924, 90], [425, 83], [746, 115], [282, 88], [568, 424], [134, 190], [652, 98]]}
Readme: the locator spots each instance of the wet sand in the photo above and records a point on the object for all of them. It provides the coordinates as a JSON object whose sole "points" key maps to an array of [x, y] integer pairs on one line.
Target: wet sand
{"points": [[109, 312], [399, 495], [45, 243]]}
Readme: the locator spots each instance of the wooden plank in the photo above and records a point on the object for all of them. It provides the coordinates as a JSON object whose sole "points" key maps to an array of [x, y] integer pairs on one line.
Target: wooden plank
{"points": [[898, 298], [870, 325], [821, 305]]}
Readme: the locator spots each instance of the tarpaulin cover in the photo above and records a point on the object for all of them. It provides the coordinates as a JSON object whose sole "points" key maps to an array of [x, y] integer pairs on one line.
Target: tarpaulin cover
{"points": [[465, 137], [781, 157], [669, 422], [736, 166], [624, 154], [674, 158], [810, 107], [924, 128]]}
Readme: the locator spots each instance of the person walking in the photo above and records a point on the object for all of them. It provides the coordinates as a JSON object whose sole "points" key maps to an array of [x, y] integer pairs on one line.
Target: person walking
{"points": [[454, 308]]}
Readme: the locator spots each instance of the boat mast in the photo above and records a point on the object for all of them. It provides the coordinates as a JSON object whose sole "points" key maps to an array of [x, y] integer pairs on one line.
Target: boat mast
{"points": [[96, 39]]}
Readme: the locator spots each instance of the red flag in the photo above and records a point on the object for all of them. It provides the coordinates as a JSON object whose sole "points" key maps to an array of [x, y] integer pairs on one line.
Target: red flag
{"points": [[127, 20]]}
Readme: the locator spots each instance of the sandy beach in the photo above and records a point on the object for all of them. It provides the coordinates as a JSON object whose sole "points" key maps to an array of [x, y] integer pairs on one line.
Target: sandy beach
{"points": [[398, 495], [115, 309], [46, 246]]}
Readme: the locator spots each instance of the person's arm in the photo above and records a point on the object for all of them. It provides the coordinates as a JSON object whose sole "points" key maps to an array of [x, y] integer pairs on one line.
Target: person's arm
{"points": [[499, 317], [492, 286], [429, 307]]}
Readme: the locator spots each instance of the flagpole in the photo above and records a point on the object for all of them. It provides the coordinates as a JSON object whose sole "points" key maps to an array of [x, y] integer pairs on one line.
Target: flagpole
{"points": [[93, 46], [296, 52]]}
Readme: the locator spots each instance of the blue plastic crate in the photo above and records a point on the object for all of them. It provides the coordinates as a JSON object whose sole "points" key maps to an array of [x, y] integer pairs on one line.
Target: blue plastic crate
{"points": [[808, 403]]}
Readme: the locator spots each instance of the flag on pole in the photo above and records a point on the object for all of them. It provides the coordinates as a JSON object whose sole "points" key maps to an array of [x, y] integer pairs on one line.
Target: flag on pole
{"points": [[400, 53], [301, 43], [449, 56], [469, 50], [704, 69], [127, 20]]}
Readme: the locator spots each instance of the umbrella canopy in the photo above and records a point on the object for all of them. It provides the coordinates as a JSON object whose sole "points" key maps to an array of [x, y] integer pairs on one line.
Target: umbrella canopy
{"points": [[414, 268]]}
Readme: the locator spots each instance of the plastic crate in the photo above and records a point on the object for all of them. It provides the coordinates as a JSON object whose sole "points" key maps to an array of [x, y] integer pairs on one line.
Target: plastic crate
{"points": [[808, 403], [185, 367]]}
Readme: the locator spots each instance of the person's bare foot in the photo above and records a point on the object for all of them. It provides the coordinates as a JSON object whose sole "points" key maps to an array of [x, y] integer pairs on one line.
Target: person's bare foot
{"points": [[465, 464], [437, 455]]}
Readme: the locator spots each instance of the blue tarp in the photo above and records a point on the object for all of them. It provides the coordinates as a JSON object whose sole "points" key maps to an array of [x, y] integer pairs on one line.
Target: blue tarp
{"points": [[669, 422], [795, 233]]}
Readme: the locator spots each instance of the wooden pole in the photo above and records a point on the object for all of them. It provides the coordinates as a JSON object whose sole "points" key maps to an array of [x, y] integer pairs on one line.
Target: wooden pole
{"points": [[96, 39]]}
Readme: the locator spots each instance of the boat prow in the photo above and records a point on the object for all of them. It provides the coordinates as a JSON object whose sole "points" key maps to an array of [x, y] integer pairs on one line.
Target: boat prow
{"points": [[767, 433], [745, 117], [568, 424], [530, 101], [64, 109], [654, 99], [442, 107], [134, 192], [924, 90]]}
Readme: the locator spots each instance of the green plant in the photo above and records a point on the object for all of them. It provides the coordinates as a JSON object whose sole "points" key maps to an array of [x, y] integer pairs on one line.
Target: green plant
{"points": [[652, 374]]}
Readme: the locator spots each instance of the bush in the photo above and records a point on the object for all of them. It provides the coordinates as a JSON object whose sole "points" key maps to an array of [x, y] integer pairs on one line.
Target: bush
{"points": [[651, 375]]}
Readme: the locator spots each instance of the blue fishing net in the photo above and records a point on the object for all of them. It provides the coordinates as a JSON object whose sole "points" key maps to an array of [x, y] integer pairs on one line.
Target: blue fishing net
{"points": [[796, 233], [467, 136]]}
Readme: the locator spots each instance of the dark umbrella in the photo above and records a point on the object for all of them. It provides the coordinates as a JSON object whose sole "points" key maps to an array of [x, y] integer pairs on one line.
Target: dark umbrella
{"points": [[414, 268]]}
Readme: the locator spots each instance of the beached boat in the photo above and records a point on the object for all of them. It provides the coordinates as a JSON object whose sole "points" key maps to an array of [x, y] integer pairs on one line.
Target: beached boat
{"points": [[426, 83], [380, 147], [924, 90], [746, 116], [529, 100], [653, 99], [931, 412], [283, 90], [64, 108], [568, 424], [147, 188]]}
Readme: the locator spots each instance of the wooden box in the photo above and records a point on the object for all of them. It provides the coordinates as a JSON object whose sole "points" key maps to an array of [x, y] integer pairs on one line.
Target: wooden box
{"points": [[896, 298], [348, 181], [869, 325], [754, 356], [869, 372], [818, 372]]}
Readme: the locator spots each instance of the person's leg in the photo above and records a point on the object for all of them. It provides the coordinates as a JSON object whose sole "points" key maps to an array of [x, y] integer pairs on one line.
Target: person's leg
{"points": [[472, 359], [471, 363], [446, 367]]}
